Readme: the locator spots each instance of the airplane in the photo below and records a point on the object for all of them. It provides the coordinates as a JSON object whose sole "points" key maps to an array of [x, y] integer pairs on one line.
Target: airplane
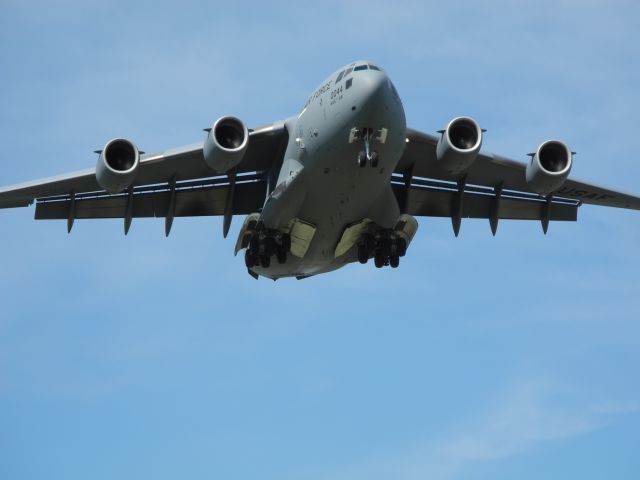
{"points": [[341, 182]]}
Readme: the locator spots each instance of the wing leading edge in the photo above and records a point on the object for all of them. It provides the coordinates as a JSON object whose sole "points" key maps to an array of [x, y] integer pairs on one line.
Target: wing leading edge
{"points": [[175, 182]]}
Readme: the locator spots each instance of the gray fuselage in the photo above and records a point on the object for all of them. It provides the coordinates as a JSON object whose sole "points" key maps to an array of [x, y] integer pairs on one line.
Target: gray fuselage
{"points": [[321, 181]]}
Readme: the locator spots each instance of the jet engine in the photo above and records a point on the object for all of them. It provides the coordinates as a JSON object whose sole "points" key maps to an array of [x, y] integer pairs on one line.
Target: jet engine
{"points": [[459, 145], [117, 165], [549, 167], [226, 144]]}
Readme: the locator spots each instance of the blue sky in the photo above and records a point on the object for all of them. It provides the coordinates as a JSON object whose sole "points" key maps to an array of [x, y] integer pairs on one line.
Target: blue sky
{"points": [[481, 357]]}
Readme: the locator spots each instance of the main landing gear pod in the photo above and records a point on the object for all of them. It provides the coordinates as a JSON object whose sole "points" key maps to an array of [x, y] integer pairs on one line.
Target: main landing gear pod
{"points": [[262, 243], [386, 246]]}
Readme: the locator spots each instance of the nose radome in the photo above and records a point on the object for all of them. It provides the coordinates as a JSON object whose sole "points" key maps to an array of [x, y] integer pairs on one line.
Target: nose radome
{"points": [[374, 90], [373, 84]]}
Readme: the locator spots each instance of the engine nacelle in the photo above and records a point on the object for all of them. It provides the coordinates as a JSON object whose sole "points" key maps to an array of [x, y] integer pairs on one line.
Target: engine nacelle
{"points": [[226, 144], [459, 145], [117, 165], [549, 167]]}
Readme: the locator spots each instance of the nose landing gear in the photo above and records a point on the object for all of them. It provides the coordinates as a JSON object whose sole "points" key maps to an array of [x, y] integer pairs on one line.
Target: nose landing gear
{"points": [[371, 158], [368, 135]]}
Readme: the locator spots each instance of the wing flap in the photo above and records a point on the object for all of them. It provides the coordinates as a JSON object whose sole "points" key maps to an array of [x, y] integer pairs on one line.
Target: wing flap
{"points": [[439, 204], [440, 199], [23, 194], [191, 200], [491, 170]]}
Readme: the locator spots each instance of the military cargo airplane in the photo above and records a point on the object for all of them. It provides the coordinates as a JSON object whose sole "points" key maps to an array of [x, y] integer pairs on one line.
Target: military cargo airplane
{"points": [[340, 182]]}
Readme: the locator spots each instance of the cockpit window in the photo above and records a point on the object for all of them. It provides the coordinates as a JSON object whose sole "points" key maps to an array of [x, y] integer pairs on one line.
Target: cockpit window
{"points": [[373, 67], [348, 71], [340, 75], [360, 67]]}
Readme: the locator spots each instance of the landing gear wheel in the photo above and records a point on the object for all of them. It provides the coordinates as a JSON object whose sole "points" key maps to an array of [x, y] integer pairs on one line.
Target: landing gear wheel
{"points": [[265, 261], [281, 256], [286, 242], [402, 247], [394, 261], [393, 248], [374, 159], [271, 247], [254, 246], [249, 260], [385, 247], [363, 253], [362, 159], [379, 259]]}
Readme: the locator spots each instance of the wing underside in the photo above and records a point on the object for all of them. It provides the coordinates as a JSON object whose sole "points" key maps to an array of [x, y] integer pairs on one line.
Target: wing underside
{"points": [[178, 183], [494, 187], [433, 198], [211, 196], [174, 183]]}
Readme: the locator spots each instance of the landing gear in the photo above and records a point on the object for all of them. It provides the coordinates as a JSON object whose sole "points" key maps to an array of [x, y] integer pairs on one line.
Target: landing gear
{"points": [[367, 155], [363, 254], [386, 246], [402, 247], [262, 243], [249, 259], [379, 259], [362, 159], [374, 159], [366, 246]]}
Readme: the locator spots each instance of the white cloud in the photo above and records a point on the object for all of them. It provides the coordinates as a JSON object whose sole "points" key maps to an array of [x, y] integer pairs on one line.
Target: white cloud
{"points": [[529, 415]]}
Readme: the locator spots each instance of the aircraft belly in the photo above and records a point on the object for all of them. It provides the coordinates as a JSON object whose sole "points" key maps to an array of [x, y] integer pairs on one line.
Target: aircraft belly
{"points": [[331, 190], [330, 193]]}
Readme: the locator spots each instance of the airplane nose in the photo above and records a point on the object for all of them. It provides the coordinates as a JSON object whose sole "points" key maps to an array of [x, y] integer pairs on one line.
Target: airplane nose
{"points": [[374, 85], [374, 92]]}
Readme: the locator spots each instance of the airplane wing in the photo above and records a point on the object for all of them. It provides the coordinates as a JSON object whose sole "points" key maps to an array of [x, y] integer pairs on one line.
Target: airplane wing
{"points": [[494, 187], [169, 184]]}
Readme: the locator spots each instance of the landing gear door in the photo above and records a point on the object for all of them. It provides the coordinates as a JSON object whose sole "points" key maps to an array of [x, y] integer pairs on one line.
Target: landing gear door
{"points": [[302, 234]]}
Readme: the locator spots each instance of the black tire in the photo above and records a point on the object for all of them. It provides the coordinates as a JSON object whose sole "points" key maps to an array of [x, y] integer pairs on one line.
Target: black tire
{"points": [[281, 256], [265, 261], [271, 247], [261, 244], [384, 246], [254, 245], [363, 253], [286, 242], [369, 241], [379, 259], [249, 260], [394, 261], [402, 247], [374, 159], [393, 248], [362, 159]]}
